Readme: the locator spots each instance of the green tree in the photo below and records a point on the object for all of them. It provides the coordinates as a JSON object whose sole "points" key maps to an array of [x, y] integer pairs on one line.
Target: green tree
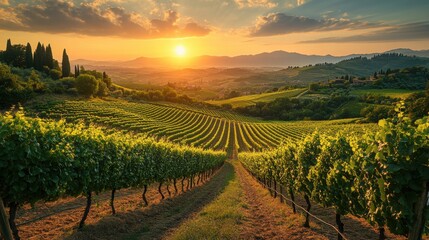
{"points": [[8, 45], [102, 89], [7, 57], [49, 60], [65, 64], [55, 74], [87, 85], [107, 80], [43, 55], [314, 87], [38, 57], [57, 65], [76, 71], [233, 94], [28, 56], [16, 56]]}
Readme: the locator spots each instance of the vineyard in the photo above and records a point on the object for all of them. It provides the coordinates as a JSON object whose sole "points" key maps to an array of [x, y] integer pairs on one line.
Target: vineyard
{"points": [[46, 160], [381, 176], [199, 127]]}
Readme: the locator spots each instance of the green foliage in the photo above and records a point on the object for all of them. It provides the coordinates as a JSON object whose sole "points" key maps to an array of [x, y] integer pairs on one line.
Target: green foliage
{"points": [[378, 175], [414, 78], [87, 85], [28, 56], [418, 104], [15, 55], [49, 59], [249, 100], [65, 64], [298, 109], [39, 55], [203, 127], [375, 113], [314, 87], [44, 160], [94, 73], [12, 89], [106, 79], [55, 74], [102, 89], [68, 82]]}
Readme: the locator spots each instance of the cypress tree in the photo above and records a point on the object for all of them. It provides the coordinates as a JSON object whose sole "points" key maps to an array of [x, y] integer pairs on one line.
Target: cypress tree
{"points": [[43, 55], [28, 56], [49, 57], [38, 58], [65, 64], [76, 71], [8, 45], [8, 53]]}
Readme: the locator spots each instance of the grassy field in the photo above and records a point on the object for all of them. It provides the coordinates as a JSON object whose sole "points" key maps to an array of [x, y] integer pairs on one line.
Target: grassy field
{"points": [[248, 100], [394, 93]]}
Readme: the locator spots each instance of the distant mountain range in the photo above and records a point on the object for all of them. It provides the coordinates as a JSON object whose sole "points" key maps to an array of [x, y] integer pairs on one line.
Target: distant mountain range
{"points": [[279, 59]]}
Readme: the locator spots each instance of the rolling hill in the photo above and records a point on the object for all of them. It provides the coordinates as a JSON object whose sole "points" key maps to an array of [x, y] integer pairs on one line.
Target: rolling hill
{"points": [[248, 100], [280, 59]]}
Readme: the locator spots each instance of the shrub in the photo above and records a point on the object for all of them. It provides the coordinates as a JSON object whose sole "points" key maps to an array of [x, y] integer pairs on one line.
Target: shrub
{"points": [[87, 85]]}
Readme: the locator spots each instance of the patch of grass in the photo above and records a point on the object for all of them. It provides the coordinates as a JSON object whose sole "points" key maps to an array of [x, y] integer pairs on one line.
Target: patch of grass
{"points": [[393, 93], [353, 108], [219, 219], [248, 100]]}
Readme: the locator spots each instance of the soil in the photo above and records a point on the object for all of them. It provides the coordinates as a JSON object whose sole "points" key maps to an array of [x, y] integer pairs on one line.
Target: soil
{"points": [[59, 219], [265, 217], [268, 218]]}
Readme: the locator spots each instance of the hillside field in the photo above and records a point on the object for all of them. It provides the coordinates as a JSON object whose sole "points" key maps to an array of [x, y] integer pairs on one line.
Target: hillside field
{"points": [[252, 99], [182, 124], [393, 93]]}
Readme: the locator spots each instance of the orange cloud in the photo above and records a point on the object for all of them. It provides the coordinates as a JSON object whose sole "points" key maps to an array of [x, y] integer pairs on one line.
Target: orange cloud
{"points": [[255, 3], [56, 16]]}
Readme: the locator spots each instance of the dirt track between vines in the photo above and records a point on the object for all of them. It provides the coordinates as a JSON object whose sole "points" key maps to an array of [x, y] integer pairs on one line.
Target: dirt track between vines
{"points": [[268, 218], [59, 219], [264, 216]]}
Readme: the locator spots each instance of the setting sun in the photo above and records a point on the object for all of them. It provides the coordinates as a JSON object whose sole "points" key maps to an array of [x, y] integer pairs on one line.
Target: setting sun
{"points": [[180, 51]]}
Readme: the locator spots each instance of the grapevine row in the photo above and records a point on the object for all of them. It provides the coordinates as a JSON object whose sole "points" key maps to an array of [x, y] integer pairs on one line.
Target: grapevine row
{"points": [[46, 160], [381, 176], [184, 124]]}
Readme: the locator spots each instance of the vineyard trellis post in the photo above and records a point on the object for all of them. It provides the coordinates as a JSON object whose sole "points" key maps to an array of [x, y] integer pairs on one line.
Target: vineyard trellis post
{"points": [[417, 229], [6, 232]]}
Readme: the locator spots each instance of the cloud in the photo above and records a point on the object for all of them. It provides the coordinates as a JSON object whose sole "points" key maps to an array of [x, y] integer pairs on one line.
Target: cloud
{"points": [[255, 3], [56, 16], [280, 23], [300, 2], [411, 31]]}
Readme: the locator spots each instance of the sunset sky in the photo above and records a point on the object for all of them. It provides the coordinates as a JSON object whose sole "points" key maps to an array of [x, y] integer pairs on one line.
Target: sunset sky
{"points": [[121, 30]]}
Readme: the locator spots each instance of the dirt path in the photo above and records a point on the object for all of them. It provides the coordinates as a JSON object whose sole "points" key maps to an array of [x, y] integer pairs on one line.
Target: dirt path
{"points": [[265, 219], [300, 95], [157, 220], [59, 219]]}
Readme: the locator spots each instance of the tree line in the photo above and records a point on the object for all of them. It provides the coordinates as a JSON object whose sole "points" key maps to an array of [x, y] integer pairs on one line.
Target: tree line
{"points": [[18, 55]]}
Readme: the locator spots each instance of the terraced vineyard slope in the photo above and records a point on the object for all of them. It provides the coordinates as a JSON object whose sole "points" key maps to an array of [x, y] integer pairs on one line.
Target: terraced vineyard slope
{"points": [[205, 128]]}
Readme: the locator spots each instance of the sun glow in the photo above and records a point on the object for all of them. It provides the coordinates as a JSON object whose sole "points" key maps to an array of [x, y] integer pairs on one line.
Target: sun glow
{"points": [[180, 51]]}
